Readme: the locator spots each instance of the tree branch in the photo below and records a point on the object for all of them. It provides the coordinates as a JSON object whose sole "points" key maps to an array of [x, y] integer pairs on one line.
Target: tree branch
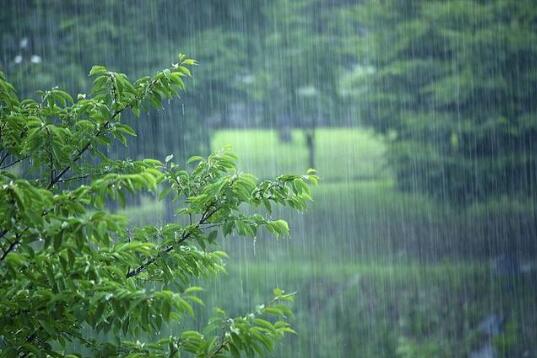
{"points": [[186, 235], [13, 163], [10, 248], [81, 152], [222, 345], [77, 157], [50, 156], [74, 178], [4, 158], [99, 132]]}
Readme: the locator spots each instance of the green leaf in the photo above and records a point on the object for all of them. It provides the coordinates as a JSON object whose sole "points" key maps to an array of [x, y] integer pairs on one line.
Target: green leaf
{"points": [[278, 227], [97, 70], [194, 159]]}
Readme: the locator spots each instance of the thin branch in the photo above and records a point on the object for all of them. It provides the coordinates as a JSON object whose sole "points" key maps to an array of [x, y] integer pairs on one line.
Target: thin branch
{"points": [[151, 260], [13, 163], [186, 235], [224, 341], [10, 248], [212, 226], [222, 345], [77, 157], [100, 132], [74, 178], [3, 158]]}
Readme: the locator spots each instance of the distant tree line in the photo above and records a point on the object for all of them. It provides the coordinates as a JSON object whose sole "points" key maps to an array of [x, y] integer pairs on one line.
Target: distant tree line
{"points": [[453, 87], [451, 84], [269, 56]]}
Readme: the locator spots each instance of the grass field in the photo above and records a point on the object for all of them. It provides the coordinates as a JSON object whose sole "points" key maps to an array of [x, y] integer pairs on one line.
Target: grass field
{"points": [[341, 153], [375, 309], [378, 273]]}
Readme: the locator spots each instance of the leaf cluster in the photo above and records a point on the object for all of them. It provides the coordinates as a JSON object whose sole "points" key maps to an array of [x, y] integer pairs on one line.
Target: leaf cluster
{"points": [[67, 265]]}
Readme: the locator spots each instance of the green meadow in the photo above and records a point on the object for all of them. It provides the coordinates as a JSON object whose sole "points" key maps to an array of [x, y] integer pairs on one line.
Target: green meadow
{"points": [[342, 154]]}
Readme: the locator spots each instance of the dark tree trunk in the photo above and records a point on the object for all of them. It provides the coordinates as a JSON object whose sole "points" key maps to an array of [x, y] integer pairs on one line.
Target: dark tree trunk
{"points": [[310, 144]]}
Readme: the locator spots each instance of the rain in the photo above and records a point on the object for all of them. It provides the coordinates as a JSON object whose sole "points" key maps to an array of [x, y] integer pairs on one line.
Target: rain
{"points": [[420, 118]]}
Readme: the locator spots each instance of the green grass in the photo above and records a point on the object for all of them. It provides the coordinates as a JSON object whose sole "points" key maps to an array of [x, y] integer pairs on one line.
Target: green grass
{"points": [[374, 309], [341, 153]]}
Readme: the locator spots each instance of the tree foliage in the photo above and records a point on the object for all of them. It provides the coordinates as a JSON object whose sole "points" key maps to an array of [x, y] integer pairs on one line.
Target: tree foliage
{"points": [[453, 86], [257, 59], [137, 38], [68, 266]]}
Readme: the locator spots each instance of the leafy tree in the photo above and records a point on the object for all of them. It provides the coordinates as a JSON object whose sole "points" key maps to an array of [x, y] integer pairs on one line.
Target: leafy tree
{"points": [[297, 71], [277, 60], [453, 85], [69, 267], [136, 37]]}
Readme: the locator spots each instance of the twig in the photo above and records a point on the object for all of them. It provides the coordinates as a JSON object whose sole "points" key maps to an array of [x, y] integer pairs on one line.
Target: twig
{"points": [[73, 178], [212, 225], [13, 163], [50, 156], [10, 248], [186, 235], [99, 132], [81, 152], [219, 349], [4, 158]]}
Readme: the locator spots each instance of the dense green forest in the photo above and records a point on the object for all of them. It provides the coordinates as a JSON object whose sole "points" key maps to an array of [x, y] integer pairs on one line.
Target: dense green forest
{"points": [[420, 118]]}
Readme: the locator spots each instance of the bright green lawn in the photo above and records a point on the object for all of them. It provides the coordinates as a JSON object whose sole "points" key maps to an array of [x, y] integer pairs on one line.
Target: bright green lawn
{"points": [[341, 153]]}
